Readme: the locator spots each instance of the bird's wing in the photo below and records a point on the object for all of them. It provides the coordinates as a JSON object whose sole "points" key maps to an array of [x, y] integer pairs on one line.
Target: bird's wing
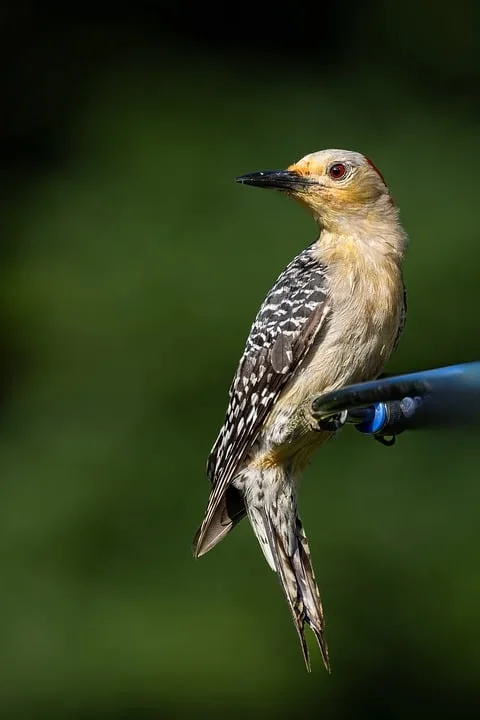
{"points": [[293, 313]]}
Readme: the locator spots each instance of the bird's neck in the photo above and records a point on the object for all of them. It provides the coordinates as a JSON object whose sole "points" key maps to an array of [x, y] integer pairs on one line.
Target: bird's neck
{"points": [[365, 238], [364, 267]]}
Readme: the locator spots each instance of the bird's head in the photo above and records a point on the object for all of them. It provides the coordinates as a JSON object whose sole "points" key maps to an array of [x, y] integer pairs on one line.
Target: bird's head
{"points": [[337, 186]]}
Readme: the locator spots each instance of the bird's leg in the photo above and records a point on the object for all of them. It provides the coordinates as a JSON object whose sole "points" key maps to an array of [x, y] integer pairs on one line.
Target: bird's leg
{"points": [[319, 422]]}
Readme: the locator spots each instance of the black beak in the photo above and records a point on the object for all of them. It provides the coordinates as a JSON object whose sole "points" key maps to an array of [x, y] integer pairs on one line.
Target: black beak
{"points": [[278, 179]]}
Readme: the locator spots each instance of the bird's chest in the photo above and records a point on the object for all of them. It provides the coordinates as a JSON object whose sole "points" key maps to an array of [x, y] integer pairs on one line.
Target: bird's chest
{"points": [[353, 345], [359, 336]]}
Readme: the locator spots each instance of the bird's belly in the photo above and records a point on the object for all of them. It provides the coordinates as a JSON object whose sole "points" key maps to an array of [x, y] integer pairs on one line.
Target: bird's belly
{"points": [[291, 445], [346, 354]]}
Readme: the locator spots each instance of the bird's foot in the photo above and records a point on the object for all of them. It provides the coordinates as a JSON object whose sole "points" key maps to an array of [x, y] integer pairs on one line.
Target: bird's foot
{"points": [[334, 423]]}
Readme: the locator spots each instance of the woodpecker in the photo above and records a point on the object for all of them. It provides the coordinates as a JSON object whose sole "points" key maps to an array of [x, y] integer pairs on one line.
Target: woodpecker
{"points": [[332, 318]]}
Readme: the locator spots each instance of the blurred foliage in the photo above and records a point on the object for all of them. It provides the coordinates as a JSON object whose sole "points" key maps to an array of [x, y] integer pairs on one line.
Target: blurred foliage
{"points": [[132, 266]]}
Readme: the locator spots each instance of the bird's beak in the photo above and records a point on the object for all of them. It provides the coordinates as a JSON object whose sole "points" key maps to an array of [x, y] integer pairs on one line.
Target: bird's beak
{"points": [[277, 179]]}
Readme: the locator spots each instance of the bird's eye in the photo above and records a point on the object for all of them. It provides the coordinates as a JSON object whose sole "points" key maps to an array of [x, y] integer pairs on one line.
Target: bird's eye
{"points": [[337, 171]]}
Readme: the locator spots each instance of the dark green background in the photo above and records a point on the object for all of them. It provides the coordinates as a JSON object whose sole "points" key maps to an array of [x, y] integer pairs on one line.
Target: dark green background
{"points": [[131, 268]]}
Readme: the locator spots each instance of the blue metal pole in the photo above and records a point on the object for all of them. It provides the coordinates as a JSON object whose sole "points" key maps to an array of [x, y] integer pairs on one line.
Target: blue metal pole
{"points": [[440, 398]]}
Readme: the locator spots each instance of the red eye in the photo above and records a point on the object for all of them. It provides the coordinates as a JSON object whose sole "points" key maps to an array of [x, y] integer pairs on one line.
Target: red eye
{"points": [[337, 171]]}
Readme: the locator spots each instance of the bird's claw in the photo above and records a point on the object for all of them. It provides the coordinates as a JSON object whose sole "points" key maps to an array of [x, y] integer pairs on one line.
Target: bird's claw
{"points": [[334, 423]]}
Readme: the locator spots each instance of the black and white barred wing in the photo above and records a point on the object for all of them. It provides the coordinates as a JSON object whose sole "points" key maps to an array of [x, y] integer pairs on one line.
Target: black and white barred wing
{"points": [[293, 312]]}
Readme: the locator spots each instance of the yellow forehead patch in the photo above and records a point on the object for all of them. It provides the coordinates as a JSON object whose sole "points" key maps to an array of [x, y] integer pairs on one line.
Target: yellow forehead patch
{"points": [[306, 168]]}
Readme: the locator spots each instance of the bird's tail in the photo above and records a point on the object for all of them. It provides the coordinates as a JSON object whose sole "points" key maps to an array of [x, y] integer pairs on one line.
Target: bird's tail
{"points": [[295, 572]]}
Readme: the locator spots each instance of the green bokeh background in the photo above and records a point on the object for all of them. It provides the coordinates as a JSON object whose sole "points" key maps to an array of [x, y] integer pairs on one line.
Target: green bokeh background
{"points": [[131, 269]]}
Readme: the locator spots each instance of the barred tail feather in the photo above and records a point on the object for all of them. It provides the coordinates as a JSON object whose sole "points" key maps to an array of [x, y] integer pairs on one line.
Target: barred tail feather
{"points": [[296, 577]]}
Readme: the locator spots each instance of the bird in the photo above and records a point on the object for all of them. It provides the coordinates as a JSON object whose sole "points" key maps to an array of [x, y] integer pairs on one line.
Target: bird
{"points": [[333, 317]]}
